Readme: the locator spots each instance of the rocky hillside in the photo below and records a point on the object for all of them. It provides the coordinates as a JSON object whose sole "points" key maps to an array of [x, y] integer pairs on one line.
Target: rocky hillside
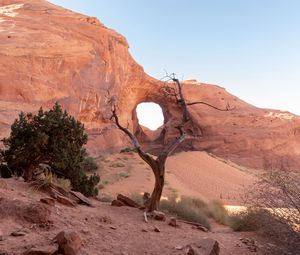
{"points": [[48, 54]]}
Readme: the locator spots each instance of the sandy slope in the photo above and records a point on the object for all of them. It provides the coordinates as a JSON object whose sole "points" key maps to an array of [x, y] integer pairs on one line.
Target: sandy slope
{"points": [[195, 174]]}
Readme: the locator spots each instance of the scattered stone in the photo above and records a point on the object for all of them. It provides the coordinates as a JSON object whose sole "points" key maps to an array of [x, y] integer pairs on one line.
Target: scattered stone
{"points": [[117, 203], [69, 242], [173, 222], [45, 250], [18, 233], [157, 215], [156, 229], [205, 246], [82, 198], [250, 243], [65, 201], [48, 201]]}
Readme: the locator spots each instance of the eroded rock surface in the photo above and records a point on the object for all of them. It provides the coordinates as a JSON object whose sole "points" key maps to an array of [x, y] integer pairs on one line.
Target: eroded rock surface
{"points": [[48, 54]]}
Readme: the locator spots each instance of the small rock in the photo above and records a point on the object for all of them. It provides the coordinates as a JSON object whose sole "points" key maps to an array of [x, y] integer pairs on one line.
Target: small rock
{"points": [[117, 203], [69, 242], [48, 201], [3, 252], [156, 229], [1, 236], [179, 247], [173, 222], [112, 227], [65, 201], [45, 250], [202, 228], [18, 233], [159, 216], [144, 230], [85, 231]]}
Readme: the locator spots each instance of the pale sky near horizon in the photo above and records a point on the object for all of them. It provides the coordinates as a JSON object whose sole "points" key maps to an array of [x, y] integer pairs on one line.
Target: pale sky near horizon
{"points": [[252, 48]]}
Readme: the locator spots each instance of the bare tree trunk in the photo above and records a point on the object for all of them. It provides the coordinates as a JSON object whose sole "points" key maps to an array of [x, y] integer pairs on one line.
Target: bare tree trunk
{"points": [[158, 188]]}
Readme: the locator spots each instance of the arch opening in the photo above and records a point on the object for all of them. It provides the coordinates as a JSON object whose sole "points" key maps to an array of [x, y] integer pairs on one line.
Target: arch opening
{"points": [[150, 115]]}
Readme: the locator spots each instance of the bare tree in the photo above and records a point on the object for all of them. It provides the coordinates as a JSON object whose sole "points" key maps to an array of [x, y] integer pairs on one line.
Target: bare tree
{"points": [[158, 164]]}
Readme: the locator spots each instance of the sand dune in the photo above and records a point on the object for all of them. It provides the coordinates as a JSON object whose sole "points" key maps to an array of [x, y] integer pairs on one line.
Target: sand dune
{"points": [[198, 174]]}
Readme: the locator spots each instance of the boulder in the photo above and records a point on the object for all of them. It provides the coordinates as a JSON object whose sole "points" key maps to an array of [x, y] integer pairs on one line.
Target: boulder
{"points": [[127, 201], [35, 212], [69, 242], [173, 222], [205, 246], [82, 198], [117, 203]]}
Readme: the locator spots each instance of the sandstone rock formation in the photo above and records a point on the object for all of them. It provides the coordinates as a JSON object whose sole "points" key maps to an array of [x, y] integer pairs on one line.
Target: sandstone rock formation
{"points": [[48, 54]]}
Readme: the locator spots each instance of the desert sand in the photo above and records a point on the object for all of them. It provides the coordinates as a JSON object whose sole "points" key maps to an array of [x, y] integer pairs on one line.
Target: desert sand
{"points": [[192, 174]]}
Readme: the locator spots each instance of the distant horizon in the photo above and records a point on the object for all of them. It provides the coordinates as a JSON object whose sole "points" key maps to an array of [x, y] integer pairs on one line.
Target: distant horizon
{"points": [[252, 49]]}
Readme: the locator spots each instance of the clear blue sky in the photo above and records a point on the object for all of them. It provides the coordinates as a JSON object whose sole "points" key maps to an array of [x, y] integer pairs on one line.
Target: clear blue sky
{"points": [[252, 48]]}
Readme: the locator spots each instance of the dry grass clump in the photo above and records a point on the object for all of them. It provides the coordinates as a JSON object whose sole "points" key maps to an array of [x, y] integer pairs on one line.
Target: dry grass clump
{"points": [[117, 164], [191, 209], [217, 211], [47, 179], [105, 198], [248, 220], [186, 208]]}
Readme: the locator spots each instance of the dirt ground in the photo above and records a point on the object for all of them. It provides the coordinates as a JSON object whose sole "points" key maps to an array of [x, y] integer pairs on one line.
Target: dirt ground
{"points": [[106, 229]]}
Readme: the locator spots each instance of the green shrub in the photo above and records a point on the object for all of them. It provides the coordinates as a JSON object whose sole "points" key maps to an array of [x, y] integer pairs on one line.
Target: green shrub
{"points": [[89, 164], [88, 185], [52, 137], [5, 172], [187, 209], [123, 175]]}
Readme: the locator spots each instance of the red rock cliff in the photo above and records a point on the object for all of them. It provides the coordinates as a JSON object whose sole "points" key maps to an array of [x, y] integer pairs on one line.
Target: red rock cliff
{"points": [[48, 54]]}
